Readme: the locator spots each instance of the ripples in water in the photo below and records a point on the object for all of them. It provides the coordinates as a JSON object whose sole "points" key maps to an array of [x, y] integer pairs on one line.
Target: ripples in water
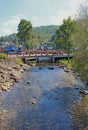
{"points": [[49, 102]]}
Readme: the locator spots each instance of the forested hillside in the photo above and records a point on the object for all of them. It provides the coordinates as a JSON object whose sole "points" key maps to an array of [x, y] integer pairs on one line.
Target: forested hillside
{"points": [[40, 34], [46, 29]]}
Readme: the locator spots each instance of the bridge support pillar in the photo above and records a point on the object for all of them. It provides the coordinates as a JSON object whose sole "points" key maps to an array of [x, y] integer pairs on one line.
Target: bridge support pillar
{"points": [[53, 59], [24, 60], [37, 60]]}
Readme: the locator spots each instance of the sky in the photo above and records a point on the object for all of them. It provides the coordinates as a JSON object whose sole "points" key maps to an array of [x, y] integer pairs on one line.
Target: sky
{"points": [[39, 12]]}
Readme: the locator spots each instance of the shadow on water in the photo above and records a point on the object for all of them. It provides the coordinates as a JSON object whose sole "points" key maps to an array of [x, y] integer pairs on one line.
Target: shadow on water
{"points": [[44, 104]]}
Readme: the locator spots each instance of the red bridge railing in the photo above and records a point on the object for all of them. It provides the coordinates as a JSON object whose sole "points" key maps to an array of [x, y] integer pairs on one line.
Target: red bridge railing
{"points": [[31, 53], [42, 52]]}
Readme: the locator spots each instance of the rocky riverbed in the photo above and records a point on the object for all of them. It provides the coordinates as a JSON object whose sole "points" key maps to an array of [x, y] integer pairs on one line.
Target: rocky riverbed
{"points": [[46, 98], [10, 73]]}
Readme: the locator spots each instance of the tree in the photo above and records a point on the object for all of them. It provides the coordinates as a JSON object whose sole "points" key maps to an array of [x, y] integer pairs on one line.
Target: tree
{"points": [[64, 34], [80, 39], [25, 32]]}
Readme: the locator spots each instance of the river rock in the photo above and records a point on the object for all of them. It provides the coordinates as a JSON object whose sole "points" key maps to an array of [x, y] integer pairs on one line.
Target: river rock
{"points": [[4, 88], [40, 68], [15, 77], [84, 92], [17, 67], [21, 70], [28, 82], [66, 69], [34, 102], [5, 77], [9, 68], [51, 67], [10, 73]]}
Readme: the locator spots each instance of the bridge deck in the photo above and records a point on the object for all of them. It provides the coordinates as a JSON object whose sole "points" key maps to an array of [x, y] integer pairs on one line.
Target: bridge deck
{"points": [[53, 55]]}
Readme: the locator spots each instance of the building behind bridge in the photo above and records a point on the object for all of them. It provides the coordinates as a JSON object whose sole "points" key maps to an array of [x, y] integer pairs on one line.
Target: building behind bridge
{"points": [[47, 46]]}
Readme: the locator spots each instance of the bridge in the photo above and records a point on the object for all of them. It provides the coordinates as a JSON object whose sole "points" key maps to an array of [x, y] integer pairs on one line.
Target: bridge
{"points": [[42, 55]]}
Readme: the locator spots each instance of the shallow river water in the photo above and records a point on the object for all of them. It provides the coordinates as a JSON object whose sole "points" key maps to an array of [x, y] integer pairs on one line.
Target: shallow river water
{"points": [[46, 99]]}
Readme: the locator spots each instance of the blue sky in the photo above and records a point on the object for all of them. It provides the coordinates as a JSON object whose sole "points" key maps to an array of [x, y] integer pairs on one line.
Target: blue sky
{"points": [[39, 12]]}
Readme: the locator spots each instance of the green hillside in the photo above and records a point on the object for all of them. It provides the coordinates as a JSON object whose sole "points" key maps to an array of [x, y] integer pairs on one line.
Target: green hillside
{"points": [[46, 29], [40, 34]]}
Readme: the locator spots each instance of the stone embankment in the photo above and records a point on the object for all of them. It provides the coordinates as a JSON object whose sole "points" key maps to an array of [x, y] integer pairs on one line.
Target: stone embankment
{"points": [[10, 73]]}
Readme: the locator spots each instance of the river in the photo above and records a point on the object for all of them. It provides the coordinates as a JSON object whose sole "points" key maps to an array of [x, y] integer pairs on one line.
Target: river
{"points": [[46, 99]]}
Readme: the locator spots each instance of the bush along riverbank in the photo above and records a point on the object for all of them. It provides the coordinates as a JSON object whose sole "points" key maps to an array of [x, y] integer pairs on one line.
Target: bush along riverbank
{"points": [[70, 66], [10, 73]]}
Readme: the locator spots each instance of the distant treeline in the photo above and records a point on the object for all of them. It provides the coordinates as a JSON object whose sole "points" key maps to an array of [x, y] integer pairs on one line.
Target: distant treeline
{"points": [[39, 34]]}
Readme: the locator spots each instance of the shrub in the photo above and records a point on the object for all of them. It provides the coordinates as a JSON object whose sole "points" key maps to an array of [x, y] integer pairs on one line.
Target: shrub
{"points": [[65, 62], [18, 60], [80, 64], [3, 56]]}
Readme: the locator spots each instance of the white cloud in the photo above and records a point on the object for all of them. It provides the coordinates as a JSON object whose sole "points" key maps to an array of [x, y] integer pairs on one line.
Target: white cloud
{"points": [[5, 31], [10, 26], [34, 18], [59, 17], [63, 14], [74, 6]]}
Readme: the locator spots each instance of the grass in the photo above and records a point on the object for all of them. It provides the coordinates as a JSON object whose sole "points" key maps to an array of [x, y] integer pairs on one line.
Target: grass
{"points": [[18, 60], [65, 62], [3, 56]]}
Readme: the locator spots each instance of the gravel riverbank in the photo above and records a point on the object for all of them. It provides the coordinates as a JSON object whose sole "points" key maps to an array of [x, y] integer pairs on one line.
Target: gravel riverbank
{"points": [[10, 73]]}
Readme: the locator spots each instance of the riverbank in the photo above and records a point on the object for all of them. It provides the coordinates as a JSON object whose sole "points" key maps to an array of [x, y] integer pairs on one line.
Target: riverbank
{"points": [[10, 73]]}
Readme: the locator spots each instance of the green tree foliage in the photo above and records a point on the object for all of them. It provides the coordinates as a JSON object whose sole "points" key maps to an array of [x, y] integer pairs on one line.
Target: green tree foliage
{"points": [[80, 63], [10, 38], [46, 29], [39, 34], [25, 32], [64, 34], [45, 33], [80, 39]]}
